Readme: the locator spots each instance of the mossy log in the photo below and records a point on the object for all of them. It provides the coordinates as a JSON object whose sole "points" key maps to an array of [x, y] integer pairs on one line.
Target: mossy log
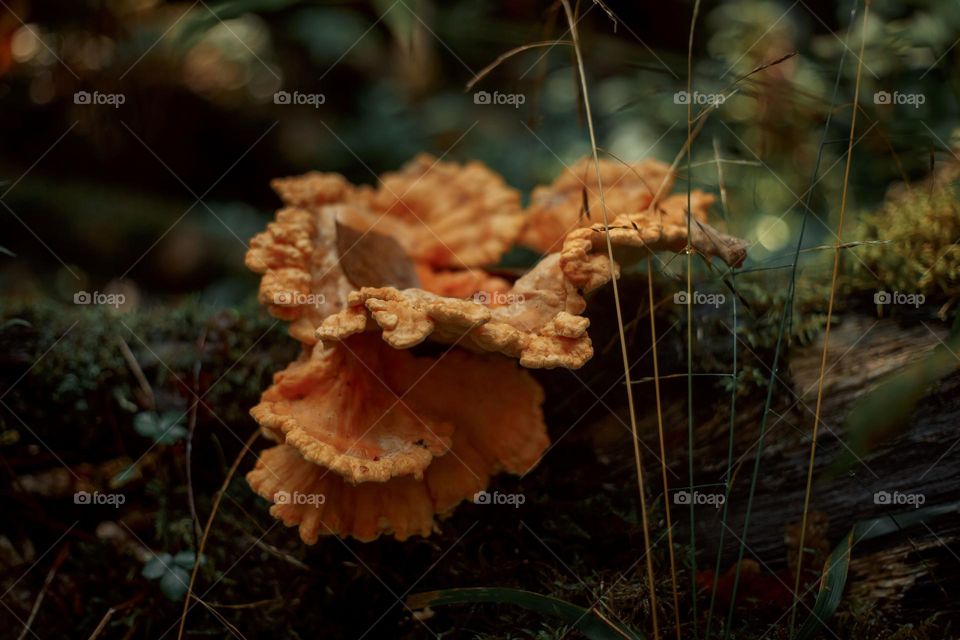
{"points": [[914, 568], [73, 393]]}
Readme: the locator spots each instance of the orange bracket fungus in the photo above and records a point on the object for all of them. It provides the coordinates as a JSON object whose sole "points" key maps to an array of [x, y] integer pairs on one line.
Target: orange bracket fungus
{"points": [[373, 439]]}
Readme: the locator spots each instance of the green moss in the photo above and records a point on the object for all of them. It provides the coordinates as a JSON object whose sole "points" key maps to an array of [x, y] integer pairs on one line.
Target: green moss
{"points": [[77, 388], [920, 254]]}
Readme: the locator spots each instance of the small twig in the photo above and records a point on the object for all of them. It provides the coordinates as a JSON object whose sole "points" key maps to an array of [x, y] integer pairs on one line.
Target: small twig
{"points": [[691, 136], [61, 556], [272, 550], [662, 442], [245, 605], [826, 330], [581, 72], [137, 373], [191, 427], [610, 623], [628, 166], [720, 182], [765, 65], [701, 120], [673, 376], [509, 54], [610, 14], [206, 530], [111, 611], [688, 146], [219, 616]]}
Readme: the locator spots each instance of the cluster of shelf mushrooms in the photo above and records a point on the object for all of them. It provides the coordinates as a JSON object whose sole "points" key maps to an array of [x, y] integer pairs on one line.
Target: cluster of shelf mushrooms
{"points": [[411, 390]]}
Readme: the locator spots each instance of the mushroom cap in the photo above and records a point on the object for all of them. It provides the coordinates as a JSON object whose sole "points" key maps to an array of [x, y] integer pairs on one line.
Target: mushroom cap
{"points": [[557, 209], [392, 440], [337, 407], [401, 506], [459, 284], [539, 324], [313, 190], [302, 281], [443, 215], [501, 429], [584, 259], [456, 215]]}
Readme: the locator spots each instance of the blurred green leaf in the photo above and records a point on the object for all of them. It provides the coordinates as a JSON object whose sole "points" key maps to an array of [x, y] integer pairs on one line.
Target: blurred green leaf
{"points": [[885, 411], [401, 21], [174, 583], [331, 34], [156, 566], [122, 478], [125, 403], [185, 559], [835, 570], [165, 428], [173, 572], [14, 322], [227, 10]]}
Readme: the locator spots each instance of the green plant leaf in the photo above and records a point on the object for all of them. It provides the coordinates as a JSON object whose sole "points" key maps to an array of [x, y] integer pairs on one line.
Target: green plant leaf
{"points": [[203, 20], [174, 583], [165, 428], [402, 23], [123, 477], [15, 322], [156, 566], [586, 621], [185, 559], [885, 410], [834, 577]]}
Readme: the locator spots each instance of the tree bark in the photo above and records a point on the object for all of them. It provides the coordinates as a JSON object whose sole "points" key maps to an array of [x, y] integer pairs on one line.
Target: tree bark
{"points": [[916, 567]]}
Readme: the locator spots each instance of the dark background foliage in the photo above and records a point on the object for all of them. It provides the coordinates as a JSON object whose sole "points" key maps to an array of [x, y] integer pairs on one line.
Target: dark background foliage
{"points": [[156, 198]]}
